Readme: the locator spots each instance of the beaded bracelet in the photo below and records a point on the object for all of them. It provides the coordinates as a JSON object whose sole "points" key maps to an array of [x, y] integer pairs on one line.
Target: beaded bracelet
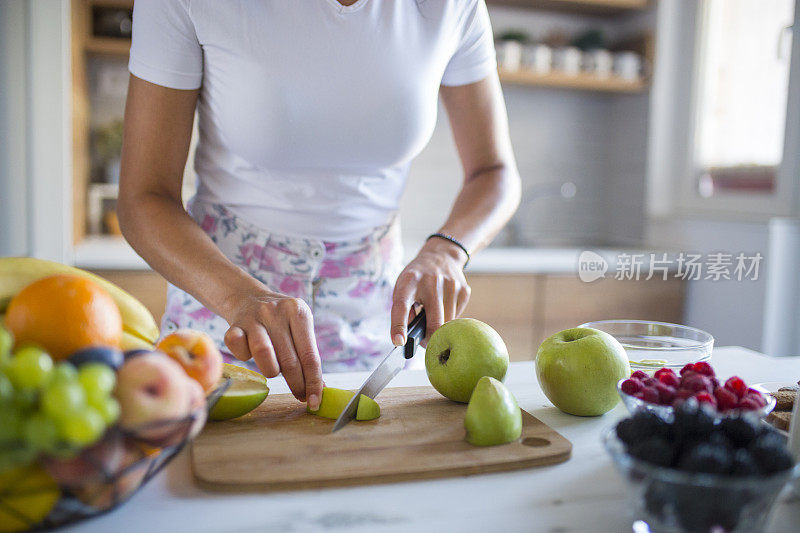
{"points": [[453, 240]]}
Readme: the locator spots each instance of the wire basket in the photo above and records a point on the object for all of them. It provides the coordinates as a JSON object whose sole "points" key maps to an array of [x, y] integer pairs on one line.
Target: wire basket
{"points": [[103, 476]]}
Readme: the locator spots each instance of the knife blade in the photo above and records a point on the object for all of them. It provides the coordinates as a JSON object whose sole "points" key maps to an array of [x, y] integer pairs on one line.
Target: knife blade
{"points": [[391, 365]]}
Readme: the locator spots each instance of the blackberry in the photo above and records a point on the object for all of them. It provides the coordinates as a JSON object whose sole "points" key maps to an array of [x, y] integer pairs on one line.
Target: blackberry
{"points": [[640, 426], [770, 453], [744, 464], [694, 508], [692, 421], [654, 450], [707, 458], [741, 430]]}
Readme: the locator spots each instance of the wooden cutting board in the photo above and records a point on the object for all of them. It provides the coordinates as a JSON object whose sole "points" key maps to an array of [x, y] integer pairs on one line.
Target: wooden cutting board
{"points": [[419, 435]]}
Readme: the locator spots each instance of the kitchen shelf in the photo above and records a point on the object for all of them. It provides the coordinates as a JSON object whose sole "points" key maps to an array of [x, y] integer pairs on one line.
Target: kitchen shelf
{"points": [[585, 7], [586, 82], [108, 45]]}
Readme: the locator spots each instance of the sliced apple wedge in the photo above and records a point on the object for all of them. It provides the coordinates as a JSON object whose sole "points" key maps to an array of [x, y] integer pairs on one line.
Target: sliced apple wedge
{"points": [[247, 390], [335, 400]]}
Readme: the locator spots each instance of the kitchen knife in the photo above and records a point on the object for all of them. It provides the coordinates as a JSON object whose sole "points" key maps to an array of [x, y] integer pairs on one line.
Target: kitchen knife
{"points": [[389, 367]]}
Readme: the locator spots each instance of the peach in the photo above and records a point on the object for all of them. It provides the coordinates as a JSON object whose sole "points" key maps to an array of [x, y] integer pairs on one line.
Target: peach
{"points": [[155, 396], [197, 408], [93, 465], [197, 354]]}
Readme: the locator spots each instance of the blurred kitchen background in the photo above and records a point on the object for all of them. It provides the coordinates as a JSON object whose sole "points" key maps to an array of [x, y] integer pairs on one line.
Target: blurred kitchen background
{"points": [[640, 126]]}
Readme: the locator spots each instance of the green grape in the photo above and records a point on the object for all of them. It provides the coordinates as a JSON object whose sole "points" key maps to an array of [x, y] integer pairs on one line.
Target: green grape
{"points": [[15, 457], [97, 377], [108, 408], [29, 368], [60, 399], [41, 432], [63, 373], [6, 390], [6, 342], [82, 428], [25, 400], [11, 420]]}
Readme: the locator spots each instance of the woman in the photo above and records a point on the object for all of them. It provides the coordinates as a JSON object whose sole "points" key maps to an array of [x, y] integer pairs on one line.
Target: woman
{"points": [[309, 115]]}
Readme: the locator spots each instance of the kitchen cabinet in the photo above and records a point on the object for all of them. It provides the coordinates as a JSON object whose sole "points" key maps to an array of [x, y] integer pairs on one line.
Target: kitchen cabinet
{"points": [[525, 309]]}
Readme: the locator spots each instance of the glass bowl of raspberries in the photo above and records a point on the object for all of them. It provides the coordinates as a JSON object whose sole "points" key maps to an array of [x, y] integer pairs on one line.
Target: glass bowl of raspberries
{"points": [[666, 389], [698, 472]]}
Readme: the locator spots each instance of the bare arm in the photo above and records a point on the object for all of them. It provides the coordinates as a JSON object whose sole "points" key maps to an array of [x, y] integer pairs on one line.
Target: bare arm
{"points": [[275, 330], [487, 200]]}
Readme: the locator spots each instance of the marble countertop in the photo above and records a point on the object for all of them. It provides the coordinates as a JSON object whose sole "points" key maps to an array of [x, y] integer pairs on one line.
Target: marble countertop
{"points": [[584, 493]]}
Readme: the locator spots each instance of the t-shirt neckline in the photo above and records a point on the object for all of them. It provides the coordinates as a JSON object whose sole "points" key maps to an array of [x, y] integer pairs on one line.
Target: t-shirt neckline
{"points": [[358, 4]]}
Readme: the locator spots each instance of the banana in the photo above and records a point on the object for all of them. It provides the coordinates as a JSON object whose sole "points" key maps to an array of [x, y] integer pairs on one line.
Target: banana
{"points": [[132, 342], [17, 272]]}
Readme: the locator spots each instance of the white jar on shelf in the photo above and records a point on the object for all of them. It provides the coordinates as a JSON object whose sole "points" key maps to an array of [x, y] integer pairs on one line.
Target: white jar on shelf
{"points": [[568, 60], [598, 62], [537, 58], [509, 54], [627, 65]]}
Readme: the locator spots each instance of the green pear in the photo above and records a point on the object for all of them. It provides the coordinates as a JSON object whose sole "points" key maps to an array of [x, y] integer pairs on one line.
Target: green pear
{"points": [[460, 353], [493, 416], [335, 400], [578, 370]]}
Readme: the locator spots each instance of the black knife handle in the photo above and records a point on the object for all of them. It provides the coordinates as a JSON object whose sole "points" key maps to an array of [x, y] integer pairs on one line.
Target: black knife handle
{"points": [[416, 332]]}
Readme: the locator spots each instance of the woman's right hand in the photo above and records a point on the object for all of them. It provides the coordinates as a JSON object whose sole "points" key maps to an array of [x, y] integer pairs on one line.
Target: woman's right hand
{"points": [[277, 332]]}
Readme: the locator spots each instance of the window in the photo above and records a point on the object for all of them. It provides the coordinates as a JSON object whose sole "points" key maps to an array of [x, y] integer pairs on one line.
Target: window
{"points": [[741, 97]]}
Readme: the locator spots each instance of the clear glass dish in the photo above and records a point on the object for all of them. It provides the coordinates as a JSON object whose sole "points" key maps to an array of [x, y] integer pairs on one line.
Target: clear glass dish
{"points": [[670, 500], [634, 404], [652, 345]]}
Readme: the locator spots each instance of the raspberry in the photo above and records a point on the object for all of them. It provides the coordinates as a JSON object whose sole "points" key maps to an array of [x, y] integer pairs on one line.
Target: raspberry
{"points": [[650, 395], [664, 370], [726, 399], [737, 385], [649, 382], [704, 368], [687, 368], [706, 397], [749, 404], [639, 375], [665, 393], [639, 395], [757, 396], [631, 386], [670, 379], [697, 383]]}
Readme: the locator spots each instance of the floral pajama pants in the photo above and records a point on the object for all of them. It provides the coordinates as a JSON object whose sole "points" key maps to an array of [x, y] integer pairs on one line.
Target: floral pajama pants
{"points": [[348, 285]]}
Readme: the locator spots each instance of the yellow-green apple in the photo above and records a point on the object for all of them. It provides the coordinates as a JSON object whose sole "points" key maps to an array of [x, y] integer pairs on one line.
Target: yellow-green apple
{"points": [[460, 353], [196, 353], [578, 370], [493, 416], [334, 401], [154, 395]]}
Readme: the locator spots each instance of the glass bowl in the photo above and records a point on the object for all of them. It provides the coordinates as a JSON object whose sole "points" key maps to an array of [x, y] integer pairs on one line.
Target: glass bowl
{"points": [[670, 500], [634, 404], [652, 345]]}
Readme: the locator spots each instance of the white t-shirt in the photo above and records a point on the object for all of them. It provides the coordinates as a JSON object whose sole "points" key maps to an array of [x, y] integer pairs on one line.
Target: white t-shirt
{"points": [[310, 112]]}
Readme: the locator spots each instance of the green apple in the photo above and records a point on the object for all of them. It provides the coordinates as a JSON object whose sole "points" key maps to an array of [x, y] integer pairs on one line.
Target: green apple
{"points": [[460, 353], [578, 370], [493, 416], [334, 401]]}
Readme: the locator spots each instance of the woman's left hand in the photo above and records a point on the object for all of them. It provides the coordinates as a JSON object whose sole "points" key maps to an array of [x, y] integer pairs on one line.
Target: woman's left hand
{"points": [[435, 279]]}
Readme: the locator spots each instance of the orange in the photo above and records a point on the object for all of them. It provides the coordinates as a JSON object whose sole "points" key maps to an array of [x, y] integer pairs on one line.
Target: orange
{"points": [[64, 313]]}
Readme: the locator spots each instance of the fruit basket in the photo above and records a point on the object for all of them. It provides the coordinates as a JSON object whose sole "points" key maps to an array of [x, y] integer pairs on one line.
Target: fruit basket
{"points": [[100, 478]]}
